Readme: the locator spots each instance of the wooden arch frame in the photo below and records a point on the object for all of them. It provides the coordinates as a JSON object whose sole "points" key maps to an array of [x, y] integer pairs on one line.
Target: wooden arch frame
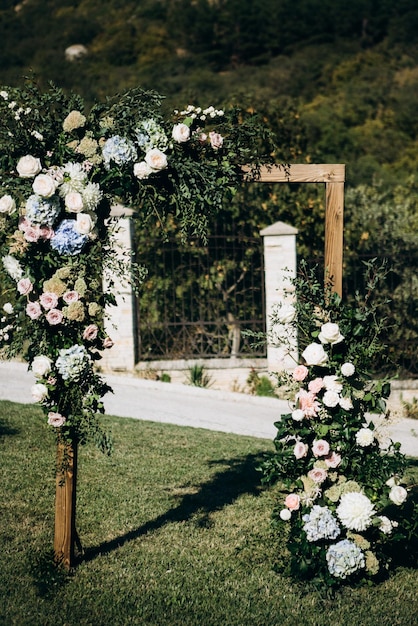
{"points": [[333, 176]]}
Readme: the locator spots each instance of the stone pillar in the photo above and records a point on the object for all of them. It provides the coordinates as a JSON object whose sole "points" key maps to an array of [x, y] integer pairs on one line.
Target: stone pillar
{"points": [[280, 268], [120, 322]]}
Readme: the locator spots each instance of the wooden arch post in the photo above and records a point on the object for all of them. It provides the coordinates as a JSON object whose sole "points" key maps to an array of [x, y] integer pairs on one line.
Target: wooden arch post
{"points": [[65, 534], [333, 176]]}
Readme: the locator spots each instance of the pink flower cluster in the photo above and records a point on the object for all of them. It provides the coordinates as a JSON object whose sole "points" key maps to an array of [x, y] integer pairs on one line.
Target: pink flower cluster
{"points": [[33, 233]]}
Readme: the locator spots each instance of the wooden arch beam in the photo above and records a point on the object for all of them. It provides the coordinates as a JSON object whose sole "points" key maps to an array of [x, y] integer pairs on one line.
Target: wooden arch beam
{"points": [[333, 176]]}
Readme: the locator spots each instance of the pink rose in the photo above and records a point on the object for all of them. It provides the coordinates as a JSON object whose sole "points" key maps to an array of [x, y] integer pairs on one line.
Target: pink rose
{"points": [[317, 474], [333, 460], [320, 447], [45, 232], [300, 450], [31, 233], [71, 296], [292, 501], [107, 342], [90, 332], [49, 300], [308, 403], [55, 419], [23, 223], [33, 310], [316, 385], [24, 286], [300, 373], [54, 317], [216, 140]]}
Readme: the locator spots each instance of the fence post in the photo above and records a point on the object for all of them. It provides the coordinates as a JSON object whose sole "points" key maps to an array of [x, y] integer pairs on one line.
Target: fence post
{"points": [[120, 319], [279, 241]]}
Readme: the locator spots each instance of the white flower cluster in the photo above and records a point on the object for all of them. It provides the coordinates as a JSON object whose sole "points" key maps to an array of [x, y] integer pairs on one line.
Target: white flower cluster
{"points": [[201, 114], [344, 558], [355, 511], [73, 362], [320, 524], [5, 330], [12, 267]]}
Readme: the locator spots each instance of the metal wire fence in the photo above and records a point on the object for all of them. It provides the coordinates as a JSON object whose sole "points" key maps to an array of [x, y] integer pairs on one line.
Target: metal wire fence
{"points": [[197, 299]]}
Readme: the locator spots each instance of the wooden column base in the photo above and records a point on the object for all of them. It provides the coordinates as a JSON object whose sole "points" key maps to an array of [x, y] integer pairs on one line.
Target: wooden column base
{"points": [[65, 535]]}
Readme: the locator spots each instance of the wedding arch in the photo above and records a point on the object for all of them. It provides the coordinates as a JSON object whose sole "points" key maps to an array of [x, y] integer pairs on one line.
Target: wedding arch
{"points": [[61, 171]]}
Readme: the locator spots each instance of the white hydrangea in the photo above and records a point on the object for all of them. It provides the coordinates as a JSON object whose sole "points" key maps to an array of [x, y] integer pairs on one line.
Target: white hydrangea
{"points": [[12, 267]]}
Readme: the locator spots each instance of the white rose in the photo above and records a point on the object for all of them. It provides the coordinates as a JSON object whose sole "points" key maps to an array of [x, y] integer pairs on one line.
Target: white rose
{"points": [[142, 170], [298, 415], [8, 308], [181, 133], [330, 333], [285, 515], [84, 223], [314, 354], [398, 494], [74, 202], [331, 398], [285, 313], [386, 525], [39, 392], [347, 369], [346, 404], [331, 383], [28, 166], [156, 159], [364, 437], [41, 366], [44, 185], [7, 204]]}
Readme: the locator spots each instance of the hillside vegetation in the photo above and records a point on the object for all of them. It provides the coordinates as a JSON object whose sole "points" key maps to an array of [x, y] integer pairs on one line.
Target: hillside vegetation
{"points": [[350, 69]]}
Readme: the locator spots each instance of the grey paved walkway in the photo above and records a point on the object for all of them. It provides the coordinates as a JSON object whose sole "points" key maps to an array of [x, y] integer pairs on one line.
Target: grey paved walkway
{"points": [[187, 406]]}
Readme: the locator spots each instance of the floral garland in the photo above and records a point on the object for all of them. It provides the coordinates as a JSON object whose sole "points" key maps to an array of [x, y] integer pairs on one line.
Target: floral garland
{"points": [[345, 498], [60, 171]]}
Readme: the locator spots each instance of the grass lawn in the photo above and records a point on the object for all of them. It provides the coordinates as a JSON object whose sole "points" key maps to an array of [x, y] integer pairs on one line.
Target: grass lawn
{"points": [[176, 531]]}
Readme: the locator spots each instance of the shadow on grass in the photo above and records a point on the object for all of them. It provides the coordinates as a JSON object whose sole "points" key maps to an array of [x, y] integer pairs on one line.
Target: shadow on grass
{"points": [[6, 430], [241, 477]]}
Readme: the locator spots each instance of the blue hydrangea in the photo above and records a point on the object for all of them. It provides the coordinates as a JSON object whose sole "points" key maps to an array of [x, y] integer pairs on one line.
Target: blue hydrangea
{"points": [[344, 558], [42, 211], [119, 150], [73, 362], [151, 135], [67, 240], [320, 524]]}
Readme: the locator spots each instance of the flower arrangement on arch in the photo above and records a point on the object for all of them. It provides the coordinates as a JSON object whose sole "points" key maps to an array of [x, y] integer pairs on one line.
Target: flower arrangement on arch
{"points": [[345, 501], [61, 170]]}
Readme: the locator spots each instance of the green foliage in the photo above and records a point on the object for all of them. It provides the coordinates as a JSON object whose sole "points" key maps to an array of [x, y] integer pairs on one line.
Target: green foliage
{"points": [[198, 376], [410, 409], [260, 385]]}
